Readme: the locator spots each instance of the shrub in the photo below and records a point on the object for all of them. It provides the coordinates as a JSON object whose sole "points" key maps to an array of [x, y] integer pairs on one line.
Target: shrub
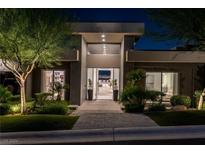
{"points": [[14, 108], [135, 77], [41, 98], [53, 108], [157, 107], [15, 98], [4, 109], [134, 108], [132, 94], [153, 95], [5, 94], [180, 100], [196, 98]]}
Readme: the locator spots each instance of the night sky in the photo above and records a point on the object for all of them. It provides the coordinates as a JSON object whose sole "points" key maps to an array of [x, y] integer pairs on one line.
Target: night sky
{"points": [[125, 15]]}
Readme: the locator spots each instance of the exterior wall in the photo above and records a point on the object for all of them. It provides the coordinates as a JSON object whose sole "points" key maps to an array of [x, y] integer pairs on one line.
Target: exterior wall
{"points": [[83, 70], [103, 61], [188, 79]]}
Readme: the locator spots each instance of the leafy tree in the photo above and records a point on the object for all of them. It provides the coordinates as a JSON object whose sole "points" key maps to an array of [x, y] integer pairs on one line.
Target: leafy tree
{"points": [[31, 38], [186, 25]]}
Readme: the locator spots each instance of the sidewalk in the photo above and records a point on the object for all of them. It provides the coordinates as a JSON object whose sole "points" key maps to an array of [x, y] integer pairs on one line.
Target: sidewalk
{"points": [[115, 135]]}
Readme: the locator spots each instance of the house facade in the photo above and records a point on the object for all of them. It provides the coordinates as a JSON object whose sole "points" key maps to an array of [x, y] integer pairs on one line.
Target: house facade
{"points": [[103, 56]]}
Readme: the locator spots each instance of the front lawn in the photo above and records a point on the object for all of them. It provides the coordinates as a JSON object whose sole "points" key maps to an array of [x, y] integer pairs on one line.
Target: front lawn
{"points": [[36, 122], [178, 118]]}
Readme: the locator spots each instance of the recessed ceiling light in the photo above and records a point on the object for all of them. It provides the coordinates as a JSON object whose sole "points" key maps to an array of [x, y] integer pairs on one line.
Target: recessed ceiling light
{"points": [[103, 35]]}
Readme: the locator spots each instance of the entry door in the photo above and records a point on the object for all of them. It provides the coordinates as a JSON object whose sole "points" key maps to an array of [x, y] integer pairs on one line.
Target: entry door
{"points": [[102, 80], [104, 83]]}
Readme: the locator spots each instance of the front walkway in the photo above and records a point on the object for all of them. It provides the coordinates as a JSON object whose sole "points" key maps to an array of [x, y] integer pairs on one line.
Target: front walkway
{"points": [[108, 114], [99, 106]]}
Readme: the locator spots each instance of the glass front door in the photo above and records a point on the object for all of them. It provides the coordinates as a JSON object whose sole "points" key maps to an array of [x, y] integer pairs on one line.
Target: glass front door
{"points": [[103, 81]]}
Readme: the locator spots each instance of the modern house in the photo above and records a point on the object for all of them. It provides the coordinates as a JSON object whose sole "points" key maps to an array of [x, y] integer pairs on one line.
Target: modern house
{"points": [[105, 54]]}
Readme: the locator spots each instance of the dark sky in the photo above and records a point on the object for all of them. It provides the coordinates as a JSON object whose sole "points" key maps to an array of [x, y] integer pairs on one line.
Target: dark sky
{"points": [[125, 15]]}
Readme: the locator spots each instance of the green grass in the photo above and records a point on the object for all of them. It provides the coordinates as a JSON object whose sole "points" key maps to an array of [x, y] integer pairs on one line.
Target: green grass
{"points": [[178, 118], [36, 122]]}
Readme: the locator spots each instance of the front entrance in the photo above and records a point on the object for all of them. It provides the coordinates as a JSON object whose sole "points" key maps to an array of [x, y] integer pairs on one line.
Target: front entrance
{"points": [[103, 81]]}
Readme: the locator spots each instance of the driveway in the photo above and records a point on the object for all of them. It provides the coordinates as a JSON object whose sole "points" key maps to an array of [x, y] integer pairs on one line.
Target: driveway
{"points": [[108, 114]]}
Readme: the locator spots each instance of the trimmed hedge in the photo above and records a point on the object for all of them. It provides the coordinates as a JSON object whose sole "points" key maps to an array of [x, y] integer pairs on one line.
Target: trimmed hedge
{"points": [[157, 107], [134, 108], [180, 100], [53, 108]]}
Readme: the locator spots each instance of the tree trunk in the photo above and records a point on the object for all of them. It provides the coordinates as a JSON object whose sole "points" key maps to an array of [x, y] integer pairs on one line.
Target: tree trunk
{"points": [[201, 100], [23, 97]]}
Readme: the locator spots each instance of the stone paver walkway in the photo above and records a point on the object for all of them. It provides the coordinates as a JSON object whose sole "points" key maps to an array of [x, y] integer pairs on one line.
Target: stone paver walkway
{"points": [[108, 114], [113, 120], [99, 106]]}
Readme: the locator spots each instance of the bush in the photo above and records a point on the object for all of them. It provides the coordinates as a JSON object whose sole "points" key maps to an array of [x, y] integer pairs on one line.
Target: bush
{"points": [[157, 107], [15, 98], [154, 95], [135, 77], [41, 98], [180, 100], [5, 94], [196, 98], [14, 108], [133, 94], [53, 108], [4, 109], [134, 108]]}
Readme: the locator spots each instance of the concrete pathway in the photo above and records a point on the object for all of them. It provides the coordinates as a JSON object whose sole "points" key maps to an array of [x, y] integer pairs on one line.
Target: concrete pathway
{"points": [[108, 114]]}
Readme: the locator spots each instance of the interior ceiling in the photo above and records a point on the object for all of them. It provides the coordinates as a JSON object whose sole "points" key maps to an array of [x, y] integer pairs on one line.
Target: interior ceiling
{"points": [[99, 48], [97, 37]]}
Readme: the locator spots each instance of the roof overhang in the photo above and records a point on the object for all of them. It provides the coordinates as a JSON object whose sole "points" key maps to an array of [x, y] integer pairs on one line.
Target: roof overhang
{"points": [[114, 32], [166, 56]]}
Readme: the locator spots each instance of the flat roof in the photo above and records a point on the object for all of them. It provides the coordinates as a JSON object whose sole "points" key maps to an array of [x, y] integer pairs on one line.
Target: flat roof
{"points": [[166, 56], [108, 27]]}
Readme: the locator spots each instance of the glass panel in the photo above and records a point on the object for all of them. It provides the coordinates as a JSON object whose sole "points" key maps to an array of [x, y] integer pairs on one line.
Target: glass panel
{"points": [[116, 78], [49, 77], [169, 85], [153, 81], [59, 76]]}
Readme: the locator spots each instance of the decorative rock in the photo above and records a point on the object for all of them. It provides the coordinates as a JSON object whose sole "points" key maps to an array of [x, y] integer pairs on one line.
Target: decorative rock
{"points": [[179, 108]]}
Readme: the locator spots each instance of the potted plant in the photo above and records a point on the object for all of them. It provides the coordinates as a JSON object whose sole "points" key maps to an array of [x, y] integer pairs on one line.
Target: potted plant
{"points": [[115, 90], [90, 90]]}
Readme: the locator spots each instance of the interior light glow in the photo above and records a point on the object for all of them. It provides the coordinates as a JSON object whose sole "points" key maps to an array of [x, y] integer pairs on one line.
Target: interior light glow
{"points": [[103, 35], [103, 40]]}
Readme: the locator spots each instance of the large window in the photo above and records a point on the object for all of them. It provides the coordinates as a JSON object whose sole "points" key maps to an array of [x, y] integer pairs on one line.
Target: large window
{"points": [[167, 82], [49, 77]]}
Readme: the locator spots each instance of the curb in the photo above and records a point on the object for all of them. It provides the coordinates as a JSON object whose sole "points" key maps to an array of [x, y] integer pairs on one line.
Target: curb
{"points": [[112, 135]]}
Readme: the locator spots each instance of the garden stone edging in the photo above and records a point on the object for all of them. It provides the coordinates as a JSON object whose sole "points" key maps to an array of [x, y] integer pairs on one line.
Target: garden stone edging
{"points": [[104, 135]]}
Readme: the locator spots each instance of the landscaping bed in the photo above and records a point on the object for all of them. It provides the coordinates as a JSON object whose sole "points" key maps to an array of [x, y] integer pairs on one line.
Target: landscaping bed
{"points": [[179, 118], [19, 123]]}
